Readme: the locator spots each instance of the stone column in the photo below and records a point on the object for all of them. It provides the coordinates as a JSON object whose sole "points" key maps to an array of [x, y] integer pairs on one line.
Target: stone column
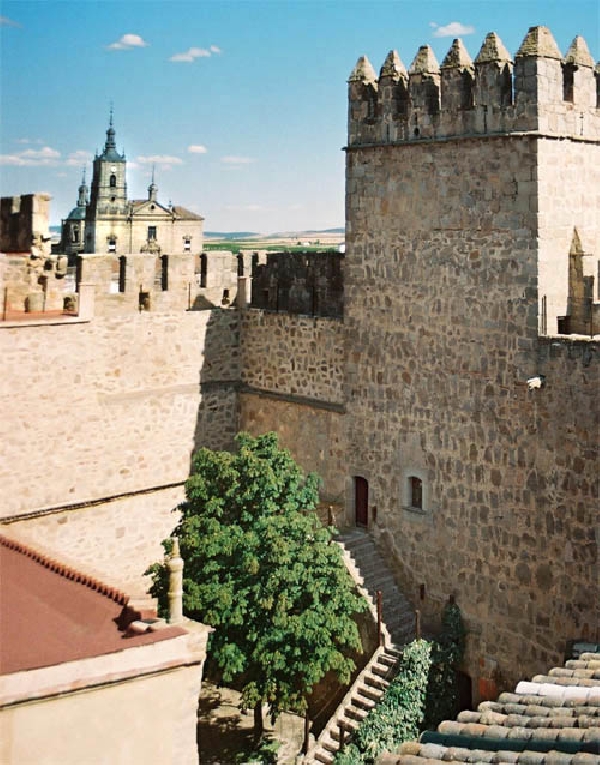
{"points": [[175, 585]]}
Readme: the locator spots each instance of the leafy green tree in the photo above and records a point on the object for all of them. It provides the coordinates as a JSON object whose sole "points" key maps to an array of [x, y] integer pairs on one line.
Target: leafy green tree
{"points": [[261, 569]]}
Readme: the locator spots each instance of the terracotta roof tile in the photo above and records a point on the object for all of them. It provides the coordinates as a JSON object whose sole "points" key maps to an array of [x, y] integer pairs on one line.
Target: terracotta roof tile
{"points": [[51, 613]]}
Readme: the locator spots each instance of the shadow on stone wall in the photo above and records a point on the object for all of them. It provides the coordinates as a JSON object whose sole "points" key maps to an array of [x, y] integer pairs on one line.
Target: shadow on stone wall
{"points": [[217, 415]]}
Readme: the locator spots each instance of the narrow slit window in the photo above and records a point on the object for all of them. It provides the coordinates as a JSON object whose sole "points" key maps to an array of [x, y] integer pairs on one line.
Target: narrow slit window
{"points": [[416, 492]]}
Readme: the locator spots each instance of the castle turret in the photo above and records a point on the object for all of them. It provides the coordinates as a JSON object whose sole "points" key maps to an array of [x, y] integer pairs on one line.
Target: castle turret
{"points": [[424, 88], [393, 98], [457, 88], [362, 106]]}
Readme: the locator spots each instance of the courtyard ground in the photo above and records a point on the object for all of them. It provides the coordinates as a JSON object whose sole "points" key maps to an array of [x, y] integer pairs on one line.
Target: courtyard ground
{"points": [[223, 730]]}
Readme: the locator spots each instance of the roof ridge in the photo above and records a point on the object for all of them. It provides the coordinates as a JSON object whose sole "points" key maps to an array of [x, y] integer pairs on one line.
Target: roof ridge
{"points": [[66, 571]]}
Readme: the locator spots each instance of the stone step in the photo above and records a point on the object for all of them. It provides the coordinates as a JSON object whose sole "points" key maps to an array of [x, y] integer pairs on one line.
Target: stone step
{"points": [[374, 694], [362, 702], [323, 756], [374, 681], [356, 713], [349, 727], [329, 745]]}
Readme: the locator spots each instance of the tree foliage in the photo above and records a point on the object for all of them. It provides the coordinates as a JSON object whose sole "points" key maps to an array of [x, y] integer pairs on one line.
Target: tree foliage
{"points": [[261, 569]]}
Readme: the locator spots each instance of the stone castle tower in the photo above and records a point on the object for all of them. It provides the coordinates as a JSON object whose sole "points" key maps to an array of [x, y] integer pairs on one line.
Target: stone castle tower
{"points": [[466, 186]]}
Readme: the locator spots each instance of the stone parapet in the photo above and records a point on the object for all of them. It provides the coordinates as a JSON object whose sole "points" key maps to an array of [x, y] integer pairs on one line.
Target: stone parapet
{"points": [[538, 91]]}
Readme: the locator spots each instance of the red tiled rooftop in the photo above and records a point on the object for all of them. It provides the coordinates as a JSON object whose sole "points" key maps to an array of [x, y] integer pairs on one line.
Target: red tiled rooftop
{"points": [[50, 614]]}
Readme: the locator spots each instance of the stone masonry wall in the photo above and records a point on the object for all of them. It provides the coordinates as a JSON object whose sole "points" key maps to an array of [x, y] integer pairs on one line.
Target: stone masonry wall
{"points": [[292, 378], [441, 315], [107, 409], [115, 540], [294, 355], [315, 436]]}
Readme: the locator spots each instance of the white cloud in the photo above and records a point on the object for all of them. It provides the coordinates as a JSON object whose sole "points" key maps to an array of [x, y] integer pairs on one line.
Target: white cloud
{"points": [[31, 157], [29, 140], [127, 42], [191, 55], [163, 161], [197, 149], [79, 158], [6, 22], [215, 49], [237, 161], [453, 29]]}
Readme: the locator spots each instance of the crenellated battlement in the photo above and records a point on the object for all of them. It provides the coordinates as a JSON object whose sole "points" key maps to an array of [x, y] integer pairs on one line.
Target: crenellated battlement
{"points": [[538, 91]]}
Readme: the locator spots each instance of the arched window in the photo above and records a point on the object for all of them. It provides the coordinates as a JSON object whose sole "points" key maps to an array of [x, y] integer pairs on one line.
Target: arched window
{"points": [[113, 181]]}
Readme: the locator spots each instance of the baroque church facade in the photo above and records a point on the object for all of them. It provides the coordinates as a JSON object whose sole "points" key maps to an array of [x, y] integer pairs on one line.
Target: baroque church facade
{"points": [[110, 223]]}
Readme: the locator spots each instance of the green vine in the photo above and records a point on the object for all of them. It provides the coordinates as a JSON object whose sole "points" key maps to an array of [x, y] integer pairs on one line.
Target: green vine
{"points": [[447, 656], [399, 714], [423, 693]]}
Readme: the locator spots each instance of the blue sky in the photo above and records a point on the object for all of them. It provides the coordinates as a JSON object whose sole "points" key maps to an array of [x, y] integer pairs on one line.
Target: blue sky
{"points": [[258, 88]]}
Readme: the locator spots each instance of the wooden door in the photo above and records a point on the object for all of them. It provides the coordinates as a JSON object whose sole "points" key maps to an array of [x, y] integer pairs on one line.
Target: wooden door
{"points": [[361, 501]]}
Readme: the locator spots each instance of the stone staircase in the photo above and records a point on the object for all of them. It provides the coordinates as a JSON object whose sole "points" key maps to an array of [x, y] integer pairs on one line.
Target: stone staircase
{"points": [[374, 574], [371, 574]]}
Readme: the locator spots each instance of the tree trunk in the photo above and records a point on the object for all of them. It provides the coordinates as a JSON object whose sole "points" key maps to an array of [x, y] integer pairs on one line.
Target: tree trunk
{"points": [[258, 722]]}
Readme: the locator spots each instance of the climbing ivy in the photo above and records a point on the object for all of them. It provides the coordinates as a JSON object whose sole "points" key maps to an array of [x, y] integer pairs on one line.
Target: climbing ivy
{"points": [[399, 714], [423, 693], [447, 656]]}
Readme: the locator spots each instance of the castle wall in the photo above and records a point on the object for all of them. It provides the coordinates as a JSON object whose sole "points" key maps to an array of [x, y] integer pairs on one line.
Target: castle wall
{"points": [[442, 336], [292, 382], [98, 411], [300, 283], [143, 283], [24, 224]]}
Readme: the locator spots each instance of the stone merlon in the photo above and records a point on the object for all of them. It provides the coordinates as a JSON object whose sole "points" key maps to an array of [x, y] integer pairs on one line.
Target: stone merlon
{"points": [[393, 66], [457, 57], [363, 71], [492, 50], [539, 43], [425, 62], [579, 53]]}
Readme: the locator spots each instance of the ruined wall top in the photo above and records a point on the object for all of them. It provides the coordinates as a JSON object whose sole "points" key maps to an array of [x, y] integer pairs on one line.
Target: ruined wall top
{"points": [[540, 90]]}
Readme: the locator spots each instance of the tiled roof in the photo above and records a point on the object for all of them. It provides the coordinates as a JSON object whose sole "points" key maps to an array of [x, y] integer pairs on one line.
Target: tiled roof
{"points": [[183, 212], [553, 719], [50, 613]]}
